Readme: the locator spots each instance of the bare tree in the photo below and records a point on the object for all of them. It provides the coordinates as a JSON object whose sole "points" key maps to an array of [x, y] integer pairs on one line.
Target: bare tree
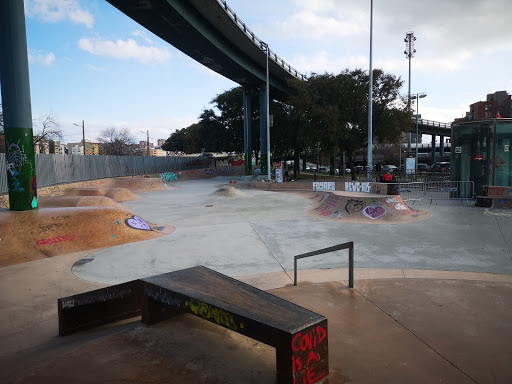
{"points": [[116, 141], [1, 119], [49, 129]]}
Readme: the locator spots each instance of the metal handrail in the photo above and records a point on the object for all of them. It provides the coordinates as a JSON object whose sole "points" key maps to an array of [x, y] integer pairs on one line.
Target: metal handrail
{"points": [[259, 43], [349, 245]]}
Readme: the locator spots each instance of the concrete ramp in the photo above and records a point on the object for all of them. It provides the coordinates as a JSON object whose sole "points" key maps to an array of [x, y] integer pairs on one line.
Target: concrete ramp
{"points": [[358, 207]]}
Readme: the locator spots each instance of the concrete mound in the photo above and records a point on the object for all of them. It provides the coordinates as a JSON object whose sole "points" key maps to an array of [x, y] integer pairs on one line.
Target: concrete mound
{"points": [[47, 232], [228, 191], [361, 207], [117, 194]]}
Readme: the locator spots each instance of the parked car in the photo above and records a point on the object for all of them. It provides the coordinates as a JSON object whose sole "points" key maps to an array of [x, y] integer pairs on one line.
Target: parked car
{"points": [[442, 166], [389, 167], [359, 168], [422, 167]]}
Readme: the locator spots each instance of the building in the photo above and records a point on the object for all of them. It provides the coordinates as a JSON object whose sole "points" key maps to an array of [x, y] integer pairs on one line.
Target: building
{"points": [[161, 142], [482, 152], [91, 149], [497, 104]]}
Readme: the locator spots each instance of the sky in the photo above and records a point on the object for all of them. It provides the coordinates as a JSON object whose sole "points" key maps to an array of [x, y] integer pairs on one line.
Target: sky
{"points": [[88, 61]]}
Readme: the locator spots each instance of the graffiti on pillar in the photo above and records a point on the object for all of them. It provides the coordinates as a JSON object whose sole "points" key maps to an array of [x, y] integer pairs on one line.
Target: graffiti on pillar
{"points": [[15, 159], [33, 192]]}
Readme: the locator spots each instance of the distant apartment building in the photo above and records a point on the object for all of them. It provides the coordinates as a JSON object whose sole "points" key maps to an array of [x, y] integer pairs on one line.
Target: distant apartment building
{"points": [[161, 142], [497, 104], [156, 152], [91, 149]]}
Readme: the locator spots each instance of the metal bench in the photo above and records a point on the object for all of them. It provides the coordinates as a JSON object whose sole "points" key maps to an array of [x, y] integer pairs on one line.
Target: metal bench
{"points": [[299, 335]]}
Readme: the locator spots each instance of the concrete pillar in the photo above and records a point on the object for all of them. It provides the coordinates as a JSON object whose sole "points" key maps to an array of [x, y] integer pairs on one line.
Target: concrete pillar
{"points": [[441, 148], [263, 132], [14, 79], [433, 158], [247, 131]]}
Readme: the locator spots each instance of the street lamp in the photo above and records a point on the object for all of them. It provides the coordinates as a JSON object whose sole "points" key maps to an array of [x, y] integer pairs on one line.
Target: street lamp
{"points": [[370, 111], [417, 96], [83, 133]]}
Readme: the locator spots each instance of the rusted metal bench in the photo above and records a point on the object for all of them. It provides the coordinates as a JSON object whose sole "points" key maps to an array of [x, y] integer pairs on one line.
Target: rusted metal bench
{"points": [[299, 335]]}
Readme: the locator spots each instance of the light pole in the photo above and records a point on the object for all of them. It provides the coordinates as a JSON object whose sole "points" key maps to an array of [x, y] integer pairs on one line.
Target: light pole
{"points": [[370, 92], [265, 47], [147, 142], [409, 53], [83, 134], [417, 96]]}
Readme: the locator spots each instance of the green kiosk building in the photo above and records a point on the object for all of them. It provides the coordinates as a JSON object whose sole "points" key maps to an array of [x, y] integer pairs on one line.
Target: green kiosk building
{"points": [[482, 152]]}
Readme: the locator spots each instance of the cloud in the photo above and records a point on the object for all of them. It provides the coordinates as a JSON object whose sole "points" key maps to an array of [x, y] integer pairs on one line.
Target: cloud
{"points": [[125, 49], [53, 11], [39, 57], [96, 69]]}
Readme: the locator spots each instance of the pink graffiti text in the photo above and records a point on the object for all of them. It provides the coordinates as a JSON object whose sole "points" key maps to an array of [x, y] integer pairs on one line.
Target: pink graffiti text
{"points": [[57, 239]]}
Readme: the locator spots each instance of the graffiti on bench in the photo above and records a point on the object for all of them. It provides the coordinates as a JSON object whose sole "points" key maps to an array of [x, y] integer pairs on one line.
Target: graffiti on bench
{"points": [[207, 311], [309, 349]]}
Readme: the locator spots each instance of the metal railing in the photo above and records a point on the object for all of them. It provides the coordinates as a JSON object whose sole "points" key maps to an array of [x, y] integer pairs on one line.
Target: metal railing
{"points": [[349, 245], [412, 191], [434, 123], [438, 190], [259, 43]]}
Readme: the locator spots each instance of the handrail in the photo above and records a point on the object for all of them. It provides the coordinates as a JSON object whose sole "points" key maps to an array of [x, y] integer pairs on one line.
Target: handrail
{"points": [[349, 245], [259, 43]]}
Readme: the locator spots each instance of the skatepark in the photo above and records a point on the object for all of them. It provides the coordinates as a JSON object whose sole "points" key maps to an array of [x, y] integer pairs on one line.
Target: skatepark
{"points": [[431, 298]]}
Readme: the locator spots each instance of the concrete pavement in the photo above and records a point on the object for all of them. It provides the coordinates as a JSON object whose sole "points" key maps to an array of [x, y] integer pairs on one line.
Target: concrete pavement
{"points": [[432, 299]]}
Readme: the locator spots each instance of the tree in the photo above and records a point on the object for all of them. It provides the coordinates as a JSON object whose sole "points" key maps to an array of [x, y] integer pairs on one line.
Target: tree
{"points": [[1, 119], [116, 141], [49, 129], [217, 132]]}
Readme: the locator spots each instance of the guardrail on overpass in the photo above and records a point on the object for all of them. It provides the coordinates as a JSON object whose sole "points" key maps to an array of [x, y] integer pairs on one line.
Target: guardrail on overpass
{"points": [[258, 42]]}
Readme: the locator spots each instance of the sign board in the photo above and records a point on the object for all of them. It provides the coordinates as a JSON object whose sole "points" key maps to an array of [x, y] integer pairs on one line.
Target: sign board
{"points": [[410, 165], [506, 148], [324, 186], [458, 149]]}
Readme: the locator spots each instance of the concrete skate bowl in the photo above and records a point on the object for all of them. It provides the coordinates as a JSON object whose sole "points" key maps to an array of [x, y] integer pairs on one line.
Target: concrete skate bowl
{"points": [[356, 207], [77, 218], [48, 232]]}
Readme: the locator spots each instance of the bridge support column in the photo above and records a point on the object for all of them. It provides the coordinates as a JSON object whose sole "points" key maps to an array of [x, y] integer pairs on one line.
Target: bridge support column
{"points": [[247, 131], [19, 147], [265, 161], [433, 158], [441, 148]]}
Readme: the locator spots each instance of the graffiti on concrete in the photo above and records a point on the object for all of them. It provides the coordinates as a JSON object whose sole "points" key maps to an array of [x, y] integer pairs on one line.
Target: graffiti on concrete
{"points": [[137, 223], [324, 186], [401, 207], [209, 171], [354, 206], [170, 176], [357, 187], [57, 239], [374, 211]]}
